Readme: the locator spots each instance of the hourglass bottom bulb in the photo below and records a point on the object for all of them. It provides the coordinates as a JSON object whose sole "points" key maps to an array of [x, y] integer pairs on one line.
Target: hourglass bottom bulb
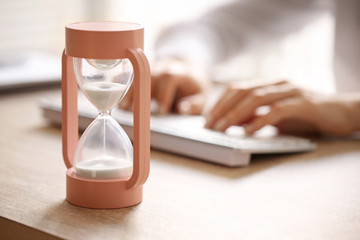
{"points": [[104, 168]]}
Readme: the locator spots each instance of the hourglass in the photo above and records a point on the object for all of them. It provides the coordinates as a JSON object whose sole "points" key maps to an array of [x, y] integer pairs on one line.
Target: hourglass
{"points": [[104, 150], [103, 59]]}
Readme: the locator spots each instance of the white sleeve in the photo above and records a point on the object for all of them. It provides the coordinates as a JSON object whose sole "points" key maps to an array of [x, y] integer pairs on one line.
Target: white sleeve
{"points": [[227, 30]]}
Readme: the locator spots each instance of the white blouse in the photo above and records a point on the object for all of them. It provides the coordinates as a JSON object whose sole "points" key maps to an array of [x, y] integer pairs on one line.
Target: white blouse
{"points": [[240, 25]]}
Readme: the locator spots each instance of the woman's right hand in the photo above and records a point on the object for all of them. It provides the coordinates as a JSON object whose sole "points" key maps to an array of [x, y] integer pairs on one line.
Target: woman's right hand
{"points": [[292, 109], [177, 85]]}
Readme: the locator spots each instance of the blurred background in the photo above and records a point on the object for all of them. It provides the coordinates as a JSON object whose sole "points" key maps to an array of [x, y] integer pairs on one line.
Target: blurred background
{"points": [[37, 28]]}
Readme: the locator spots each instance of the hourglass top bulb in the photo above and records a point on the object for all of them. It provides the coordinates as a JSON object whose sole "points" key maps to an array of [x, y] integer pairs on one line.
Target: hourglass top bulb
{"points": [[104, 64], [103, 81]]}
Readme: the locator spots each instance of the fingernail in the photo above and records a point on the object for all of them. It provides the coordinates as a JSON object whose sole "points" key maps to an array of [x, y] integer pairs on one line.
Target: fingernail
{"points": [[208, 121], [123, 104], [220, 125], [185, 107], [209, 118], [249, 129]]}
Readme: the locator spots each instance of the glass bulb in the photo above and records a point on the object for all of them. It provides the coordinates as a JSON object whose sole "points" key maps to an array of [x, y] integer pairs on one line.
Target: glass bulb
{"points": [[104, 151], [103, 81], [104, 64]]}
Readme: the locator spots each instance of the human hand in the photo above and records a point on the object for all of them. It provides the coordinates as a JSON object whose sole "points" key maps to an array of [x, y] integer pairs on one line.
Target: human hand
{"points": [[176, 85], [292, 109]]}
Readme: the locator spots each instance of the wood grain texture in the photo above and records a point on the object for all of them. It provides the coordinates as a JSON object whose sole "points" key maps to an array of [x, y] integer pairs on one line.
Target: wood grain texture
{"points": [[300, 196]]}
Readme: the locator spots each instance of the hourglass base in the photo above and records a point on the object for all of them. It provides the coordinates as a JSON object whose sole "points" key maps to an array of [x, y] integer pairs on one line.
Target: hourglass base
{"points": [[108, 193]]}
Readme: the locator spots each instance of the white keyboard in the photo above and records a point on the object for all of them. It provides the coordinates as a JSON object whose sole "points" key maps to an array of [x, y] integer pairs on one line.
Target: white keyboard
{"points": [[186, 135], [192, 127]]}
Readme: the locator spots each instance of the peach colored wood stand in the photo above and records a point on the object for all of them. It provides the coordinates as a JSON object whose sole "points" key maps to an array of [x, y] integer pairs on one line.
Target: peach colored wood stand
{"points": [[106, 40]]}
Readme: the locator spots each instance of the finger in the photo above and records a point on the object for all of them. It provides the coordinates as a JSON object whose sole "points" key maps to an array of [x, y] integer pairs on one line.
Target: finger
{"points": [[165, 93], [154, 81], [259, 83], [228, 100], [126, 102], [248, 120], [188, 86], [191, 105], [296, 126], [232, 96], [290, 108], [256, 98]]}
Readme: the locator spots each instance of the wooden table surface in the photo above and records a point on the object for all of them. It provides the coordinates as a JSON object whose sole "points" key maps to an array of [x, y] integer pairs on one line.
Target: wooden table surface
{"points": [[300, 196]]}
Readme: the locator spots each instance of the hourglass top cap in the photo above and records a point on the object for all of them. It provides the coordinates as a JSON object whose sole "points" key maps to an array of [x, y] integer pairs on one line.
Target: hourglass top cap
{"points": [[104, 26], [103, 40]]}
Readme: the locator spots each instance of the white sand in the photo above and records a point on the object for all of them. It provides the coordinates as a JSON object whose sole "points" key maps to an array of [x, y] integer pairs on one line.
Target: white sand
{"points": [[104, 95], [104, 168]]}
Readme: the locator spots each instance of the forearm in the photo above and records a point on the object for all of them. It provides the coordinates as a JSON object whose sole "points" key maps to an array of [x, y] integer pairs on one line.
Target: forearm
{"points": [[340, 113], [353, 102]]}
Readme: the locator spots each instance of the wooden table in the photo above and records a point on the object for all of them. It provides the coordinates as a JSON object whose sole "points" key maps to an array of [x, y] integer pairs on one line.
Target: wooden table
{"points": [[301, 196]]}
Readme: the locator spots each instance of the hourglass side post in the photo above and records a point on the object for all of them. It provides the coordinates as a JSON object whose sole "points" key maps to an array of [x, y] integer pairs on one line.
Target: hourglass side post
{"points": [[141, 109], [69, 113]]}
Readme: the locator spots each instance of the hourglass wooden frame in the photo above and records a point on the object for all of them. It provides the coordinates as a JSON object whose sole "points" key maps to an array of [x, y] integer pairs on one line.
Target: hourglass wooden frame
{"points": [[106, 40]]}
